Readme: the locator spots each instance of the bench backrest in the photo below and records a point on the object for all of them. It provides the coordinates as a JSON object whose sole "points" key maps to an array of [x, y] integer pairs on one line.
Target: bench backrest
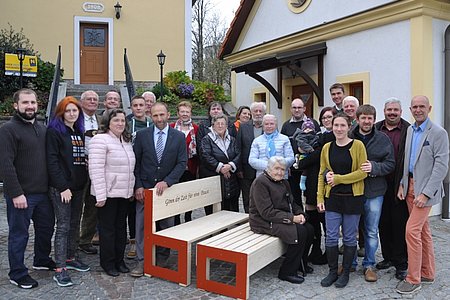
{"points": [[186, 196]]}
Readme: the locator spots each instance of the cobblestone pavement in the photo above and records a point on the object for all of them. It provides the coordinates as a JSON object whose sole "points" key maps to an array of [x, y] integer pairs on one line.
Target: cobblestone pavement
{"points": [[263, 285]]}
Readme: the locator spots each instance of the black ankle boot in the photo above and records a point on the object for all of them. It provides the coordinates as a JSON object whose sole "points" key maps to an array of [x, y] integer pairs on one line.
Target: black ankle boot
{"points": [[347, 260], [332, 256]]}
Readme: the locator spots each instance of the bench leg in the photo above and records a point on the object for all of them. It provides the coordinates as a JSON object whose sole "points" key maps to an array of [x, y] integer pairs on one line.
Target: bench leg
{"points": [[183, 274], [204, 256]]}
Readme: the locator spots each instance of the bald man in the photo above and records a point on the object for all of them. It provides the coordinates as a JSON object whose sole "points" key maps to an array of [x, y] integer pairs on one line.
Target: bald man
{"points": [[289, 127], [425, 167]]}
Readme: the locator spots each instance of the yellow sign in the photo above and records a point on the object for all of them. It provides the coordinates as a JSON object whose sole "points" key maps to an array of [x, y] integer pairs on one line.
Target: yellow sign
{"points": [[12, 65]]}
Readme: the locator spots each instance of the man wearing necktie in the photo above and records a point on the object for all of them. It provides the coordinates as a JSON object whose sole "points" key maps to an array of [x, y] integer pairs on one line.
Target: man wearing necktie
{"points": [[88, 227], [160, 162]]}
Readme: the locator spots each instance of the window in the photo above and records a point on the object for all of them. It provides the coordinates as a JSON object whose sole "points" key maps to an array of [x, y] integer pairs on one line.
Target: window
{"points": [[356, 89]]}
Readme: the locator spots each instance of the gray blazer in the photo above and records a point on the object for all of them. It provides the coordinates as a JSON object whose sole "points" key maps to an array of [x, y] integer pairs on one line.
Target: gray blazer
{"points": [[431, 165]]}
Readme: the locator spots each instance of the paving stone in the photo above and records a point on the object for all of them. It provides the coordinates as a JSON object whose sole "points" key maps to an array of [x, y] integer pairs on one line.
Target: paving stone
{"points": [[263, 285]]}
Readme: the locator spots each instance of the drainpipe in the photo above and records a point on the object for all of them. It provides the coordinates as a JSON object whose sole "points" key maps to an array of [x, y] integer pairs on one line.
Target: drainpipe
{"points": [[445, 202]]}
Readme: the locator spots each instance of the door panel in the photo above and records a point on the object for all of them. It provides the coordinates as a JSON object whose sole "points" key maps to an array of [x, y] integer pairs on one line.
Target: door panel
{"points": [[305, 93], [93, 53]]}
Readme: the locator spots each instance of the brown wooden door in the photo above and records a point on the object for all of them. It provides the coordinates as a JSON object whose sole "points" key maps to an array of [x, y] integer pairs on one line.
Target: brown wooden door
{"points": [[94, 53], [305, 93]]}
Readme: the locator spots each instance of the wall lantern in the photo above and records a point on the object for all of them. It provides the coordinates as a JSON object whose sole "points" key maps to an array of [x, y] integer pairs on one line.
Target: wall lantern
{"points": [[117, 8]]}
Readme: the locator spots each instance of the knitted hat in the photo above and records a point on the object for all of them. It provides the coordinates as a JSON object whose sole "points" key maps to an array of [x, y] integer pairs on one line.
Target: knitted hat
{"points": [[308, 124]]}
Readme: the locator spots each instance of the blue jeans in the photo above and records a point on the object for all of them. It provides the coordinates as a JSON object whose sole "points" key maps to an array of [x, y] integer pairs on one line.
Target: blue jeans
{"points": [[349, 228], [40, 210], [68, 216], [372, 213]]}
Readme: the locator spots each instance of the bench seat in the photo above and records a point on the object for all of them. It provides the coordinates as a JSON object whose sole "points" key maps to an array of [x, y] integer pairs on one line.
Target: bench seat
{"points": [[203, 227], [177, 199], [249, 251]]}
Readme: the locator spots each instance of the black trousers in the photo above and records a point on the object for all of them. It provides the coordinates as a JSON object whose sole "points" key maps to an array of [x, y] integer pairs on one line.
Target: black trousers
{"points": [[394, 215], [294, 181], [296, 252], [132, 219], [245, 184], [112, 232]]}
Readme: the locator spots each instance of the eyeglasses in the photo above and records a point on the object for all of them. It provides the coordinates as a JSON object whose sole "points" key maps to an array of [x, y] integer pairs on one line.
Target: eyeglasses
{"points": [[297, 107], [327, 117]]}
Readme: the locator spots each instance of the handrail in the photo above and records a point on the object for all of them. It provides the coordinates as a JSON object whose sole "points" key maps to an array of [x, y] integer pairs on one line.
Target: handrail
{"points": [[53, 97], [128, 76]]}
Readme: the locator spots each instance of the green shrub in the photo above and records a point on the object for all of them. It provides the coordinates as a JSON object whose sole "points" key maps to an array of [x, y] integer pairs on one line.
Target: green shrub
{"points": [[173, 79], [157, 90], [206, 92]]}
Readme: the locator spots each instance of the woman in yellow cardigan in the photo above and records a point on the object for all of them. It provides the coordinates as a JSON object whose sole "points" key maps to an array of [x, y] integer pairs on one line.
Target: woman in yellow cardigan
{"points": [[340, 194]]}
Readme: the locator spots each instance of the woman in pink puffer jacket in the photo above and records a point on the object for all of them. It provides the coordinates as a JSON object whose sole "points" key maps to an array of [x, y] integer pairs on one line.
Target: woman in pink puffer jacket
{"points": [[111, 166]]}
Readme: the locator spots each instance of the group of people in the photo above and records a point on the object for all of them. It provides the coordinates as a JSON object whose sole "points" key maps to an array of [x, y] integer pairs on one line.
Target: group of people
{"points": [[363, 180], [88, 172]]}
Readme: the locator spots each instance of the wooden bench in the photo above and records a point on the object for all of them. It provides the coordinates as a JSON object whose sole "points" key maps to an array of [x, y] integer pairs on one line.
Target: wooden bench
{"points": [[249, 251], [178, 199]]}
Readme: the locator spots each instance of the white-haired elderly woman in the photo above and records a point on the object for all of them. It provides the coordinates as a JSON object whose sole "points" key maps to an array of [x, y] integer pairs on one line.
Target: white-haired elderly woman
{"points": [[273, 211], [270, 143]]}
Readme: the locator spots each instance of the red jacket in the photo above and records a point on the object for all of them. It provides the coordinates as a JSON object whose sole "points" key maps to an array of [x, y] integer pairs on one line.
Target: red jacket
{"points": [[192, 163]]}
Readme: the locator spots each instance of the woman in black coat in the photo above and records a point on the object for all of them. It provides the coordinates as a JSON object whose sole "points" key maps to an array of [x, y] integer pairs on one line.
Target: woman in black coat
{"points": [[273, 211], [220, 155]]}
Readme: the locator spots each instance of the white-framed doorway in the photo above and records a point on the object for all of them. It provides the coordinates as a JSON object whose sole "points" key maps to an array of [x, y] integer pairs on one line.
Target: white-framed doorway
{"points": [[76, 42]]}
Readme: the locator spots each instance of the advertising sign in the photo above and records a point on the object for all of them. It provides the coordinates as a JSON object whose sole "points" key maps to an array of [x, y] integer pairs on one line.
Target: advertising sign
{"points": [[12, 65]]}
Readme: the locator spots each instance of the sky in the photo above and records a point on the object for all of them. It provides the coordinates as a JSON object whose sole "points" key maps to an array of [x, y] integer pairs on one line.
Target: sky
{"points": [[227, 8]]}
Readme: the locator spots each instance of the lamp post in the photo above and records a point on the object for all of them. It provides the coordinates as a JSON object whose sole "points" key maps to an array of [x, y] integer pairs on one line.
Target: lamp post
{"points": [[21, 58], [161, 60]]}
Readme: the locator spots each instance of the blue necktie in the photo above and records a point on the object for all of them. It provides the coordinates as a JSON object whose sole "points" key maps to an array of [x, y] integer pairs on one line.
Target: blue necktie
{"points": [[159, 146]]}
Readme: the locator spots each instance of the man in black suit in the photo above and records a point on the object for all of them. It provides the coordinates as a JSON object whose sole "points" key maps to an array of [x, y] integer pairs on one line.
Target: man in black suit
{"points": [[246, 134], [160, 162]]}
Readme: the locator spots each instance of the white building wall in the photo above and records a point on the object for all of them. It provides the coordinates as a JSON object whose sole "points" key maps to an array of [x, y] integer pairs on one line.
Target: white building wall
{"points": [[245, 85], [273, 19], [188, 37], [439, 27], [385, 55]]}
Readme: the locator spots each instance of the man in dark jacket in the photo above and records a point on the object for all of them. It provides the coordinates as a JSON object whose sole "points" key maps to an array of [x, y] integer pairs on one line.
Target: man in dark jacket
{"points": [[380, 162], [394, 213], [160, 162], [246, 134], [289, 127], [24, 170]]}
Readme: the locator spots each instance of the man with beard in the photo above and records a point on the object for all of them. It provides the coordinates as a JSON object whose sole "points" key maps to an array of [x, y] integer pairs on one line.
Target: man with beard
{"points": [[246, 134], [394, 213], [24, 170], [380, 162]]}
